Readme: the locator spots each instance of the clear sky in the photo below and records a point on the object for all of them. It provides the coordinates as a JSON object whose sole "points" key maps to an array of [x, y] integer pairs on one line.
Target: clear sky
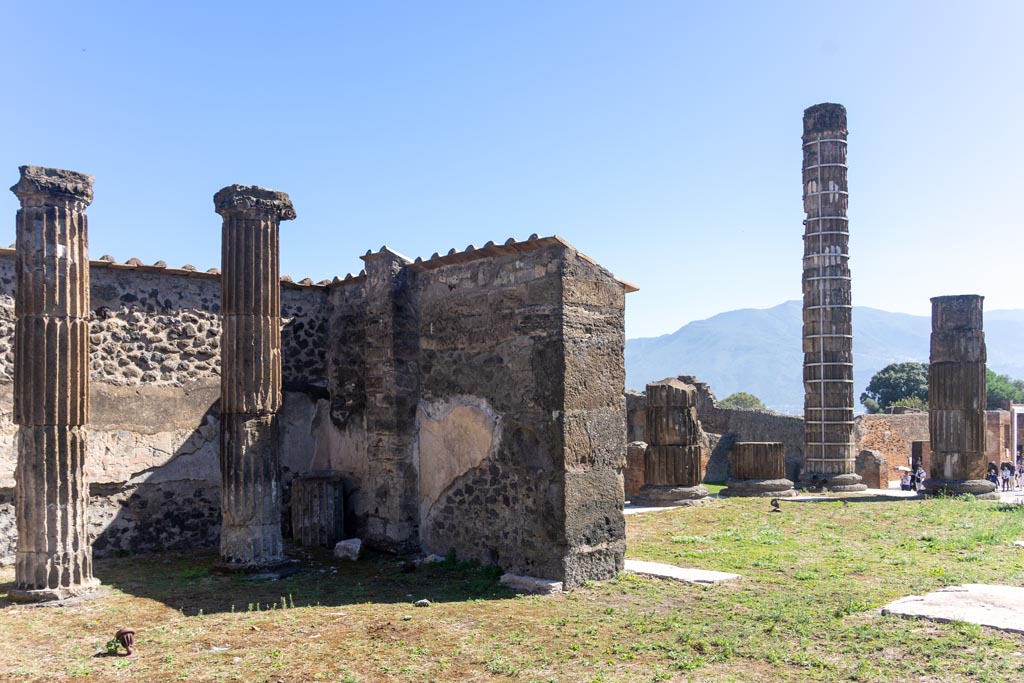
{"points": [[662, 139]]}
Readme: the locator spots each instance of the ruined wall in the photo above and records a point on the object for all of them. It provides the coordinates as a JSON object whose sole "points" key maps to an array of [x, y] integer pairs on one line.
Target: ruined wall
{"points": [[521, 380], [998, 438], [728, 425], [891, 435], [154, 427], [593, 334], [636, 424], [472, 402]]}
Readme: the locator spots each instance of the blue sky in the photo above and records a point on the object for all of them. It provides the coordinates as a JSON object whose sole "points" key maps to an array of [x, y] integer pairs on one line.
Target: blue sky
{"points": [[660, 138]]}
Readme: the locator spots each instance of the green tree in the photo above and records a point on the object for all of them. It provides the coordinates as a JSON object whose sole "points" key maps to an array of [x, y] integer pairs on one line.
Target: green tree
{"points": [[742, 399], [896, 382], [1000, 390]]}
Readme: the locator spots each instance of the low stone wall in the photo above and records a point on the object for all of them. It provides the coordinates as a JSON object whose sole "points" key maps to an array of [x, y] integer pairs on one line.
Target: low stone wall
{"points": [[155, 383]]}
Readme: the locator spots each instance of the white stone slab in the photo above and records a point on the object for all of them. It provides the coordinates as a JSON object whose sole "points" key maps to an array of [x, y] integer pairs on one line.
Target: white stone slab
{"points": [[669, 571], [530, 584], [631, 509], [999, 607]]}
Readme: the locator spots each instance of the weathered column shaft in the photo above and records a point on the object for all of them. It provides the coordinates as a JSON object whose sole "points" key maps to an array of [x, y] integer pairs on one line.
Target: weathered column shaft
{"points": [[673, 465], [757, 460], [827, 311], [957, 396], [757, 468], [51, 384], [673, 458], [250, 374]]}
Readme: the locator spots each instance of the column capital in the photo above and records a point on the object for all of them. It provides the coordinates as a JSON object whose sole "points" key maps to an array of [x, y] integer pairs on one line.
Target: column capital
{"points": [[250, 201], [42, 185], [825, 118]]}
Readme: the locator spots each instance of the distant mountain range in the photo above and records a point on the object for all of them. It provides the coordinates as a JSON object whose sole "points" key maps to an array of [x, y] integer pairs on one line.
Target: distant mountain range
{"points": [[758, 351]]}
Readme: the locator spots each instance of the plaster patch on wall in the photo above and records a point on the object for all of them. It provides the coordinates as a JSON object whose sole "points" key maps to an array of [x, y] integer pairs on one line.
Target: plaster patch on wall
{"points": [[338, 450], [455, 436]]}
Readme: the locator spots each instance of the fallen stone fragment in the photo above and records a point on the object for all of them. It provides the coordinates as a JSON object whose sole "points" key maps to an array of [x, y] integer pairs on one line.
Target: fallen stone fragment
{"points": [[703, 577], [998, 607], [530, 584], [348, 549]]}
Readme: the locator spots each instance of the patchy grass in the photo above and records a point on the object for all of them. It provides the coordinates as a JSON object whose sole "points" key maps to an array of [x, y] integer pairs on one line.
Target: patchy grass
{"points": [[806, 609]]}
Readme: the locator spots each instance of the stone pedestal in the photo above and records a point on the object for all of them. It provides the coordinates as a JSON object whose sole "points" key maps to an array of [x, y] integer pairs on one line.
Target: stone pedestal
{"points": [[827, 311], [318, 509], [51, 385], [758, 469], [673, 459], [250, 375], [957, 396]]}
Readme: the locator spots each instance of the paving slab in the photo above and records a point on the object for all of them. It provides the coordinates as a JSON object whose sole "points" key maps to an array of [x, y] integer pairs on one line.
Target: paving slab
{"points": [[630, 509], [530, 584], [703, 577], [999, 607]]}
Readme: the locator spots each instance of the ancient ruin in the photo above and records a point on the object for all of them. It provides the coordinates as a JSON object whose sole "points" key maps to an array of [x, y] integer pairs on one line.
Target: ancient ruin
{"points": [[873, 469], [450, 403], [757, 468], [828, 328], [318, 509], [674, 457], [51, 385], [633, 472], [250, 382], [956, 397]]}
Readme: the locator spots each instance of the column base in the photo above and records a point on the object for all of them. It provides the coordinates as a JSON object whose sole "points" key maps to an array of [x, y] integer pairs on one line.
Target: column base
{"points": [[846, 483], [670, 496], [980, 488], [836, 483], [764, 488], [52, 594]]}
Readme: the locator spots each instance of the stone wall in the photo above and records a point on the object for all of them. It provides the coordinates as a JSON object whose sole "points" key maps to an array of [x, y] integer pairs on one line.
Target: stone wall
{"points": [[891, 435], [154, 423], [489, 383], [471, 402], [997, 436], [636, 424]]}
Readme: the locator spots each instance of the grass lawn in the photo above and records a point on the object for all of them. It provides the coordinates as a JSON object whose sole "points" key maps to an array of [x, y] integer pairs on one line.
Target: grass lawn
{"points": [[806, 609]]}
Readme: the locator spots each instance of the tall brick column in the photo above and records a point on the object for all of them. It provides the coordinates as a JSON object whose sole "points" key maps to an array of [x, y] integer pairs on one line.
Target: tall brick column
{"points": [[250, 382], [673, 461], [828, 330], [51, 384], [956, 396]]}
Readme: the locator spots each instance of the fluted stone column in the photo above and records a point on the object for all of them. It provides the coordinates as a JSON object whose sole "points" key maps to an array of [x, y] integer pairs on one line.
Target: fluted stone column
{"points": [[827, 330], [250, 383], [673, 460], [758, 468], [956, 397], [51, 385]]}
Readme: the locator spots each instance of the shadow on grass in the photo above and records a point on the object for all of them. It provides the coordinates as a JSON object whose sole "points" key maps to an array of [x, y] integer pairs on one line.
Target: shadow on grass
{"points": [[187, 582], [843, 500]]}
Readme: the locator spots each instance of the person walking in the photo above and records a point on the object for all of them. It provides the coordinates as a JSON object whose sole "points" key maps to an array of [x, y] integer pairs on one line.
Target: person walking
{"points": [[919, 478]]}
